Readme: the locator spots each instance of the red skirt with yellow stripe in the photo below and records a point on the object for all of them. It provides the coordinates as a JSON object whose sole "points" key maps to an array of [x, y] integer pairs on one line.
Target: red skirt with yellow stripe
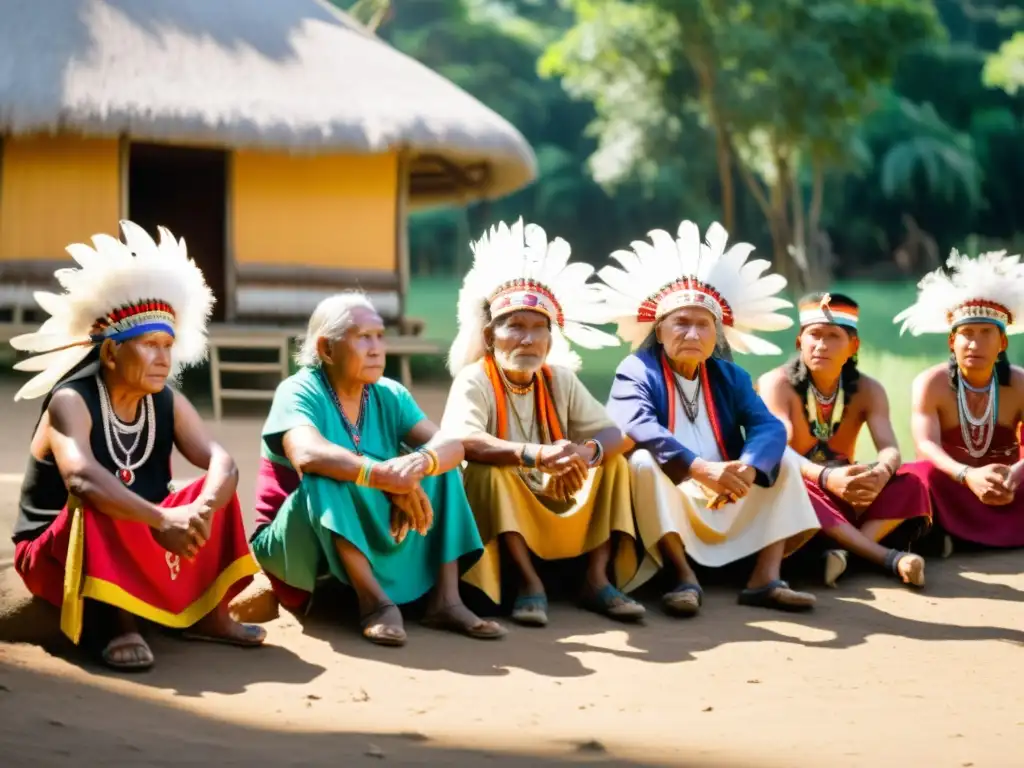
{"points": [[87, 554]]}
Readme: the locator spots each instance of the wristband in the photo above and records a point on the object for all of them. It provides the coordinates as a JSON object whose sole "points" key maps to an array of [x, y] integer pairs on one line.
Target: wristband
{"points": [[598, 451], [528, 457], [961, 476], [823, 478]]}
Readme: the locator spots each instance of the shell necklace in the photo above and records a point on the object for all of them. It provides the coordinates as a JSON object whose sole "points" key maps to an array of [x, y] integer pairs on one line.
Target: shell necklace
{"points": [[977, 431], [116, 431]]}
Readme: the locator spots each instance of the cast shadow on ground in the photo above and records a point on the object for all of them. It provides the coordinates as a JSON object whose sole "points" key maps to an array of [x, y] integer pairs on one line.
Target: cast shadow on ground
{"points": [[29, 620], [845, 617], [100, 727]]}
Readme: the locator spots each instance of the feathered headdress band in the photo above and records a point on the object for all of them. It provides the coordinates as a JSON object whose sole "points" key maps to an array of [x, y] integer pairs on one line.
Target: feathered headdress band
{"points": [[988, 289], [829, 311], [516, 268], [655, 279], [119, 291]]}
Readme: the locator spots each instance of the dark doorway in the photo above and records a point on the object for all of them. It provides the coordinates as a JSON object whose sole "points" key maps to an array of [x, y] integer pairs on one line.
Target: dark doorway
{"points": [[185, 190]]}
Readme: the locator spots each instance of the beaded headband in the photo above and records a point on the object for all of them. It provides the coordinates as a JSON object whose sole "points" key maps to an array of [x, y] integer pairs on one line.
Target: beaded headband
{"points": [[979, 311], [526, 294]]}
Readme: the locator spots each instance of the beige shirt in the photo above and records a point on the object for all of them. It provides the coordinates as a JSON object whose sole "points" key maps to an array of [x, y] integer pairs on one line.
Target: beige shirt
{"points": [[472, 408]]}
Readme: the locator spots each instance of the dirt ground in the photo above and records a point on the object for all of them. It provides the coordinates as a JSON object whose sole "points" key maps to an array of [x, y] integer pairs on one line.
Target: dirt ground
{"points": [[876, 676]]}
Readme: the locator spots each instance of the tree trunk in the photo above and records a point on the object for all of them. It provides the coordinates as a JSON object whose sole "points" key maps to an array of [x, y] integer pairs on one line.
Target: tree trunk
{"points": [[723, 144]]}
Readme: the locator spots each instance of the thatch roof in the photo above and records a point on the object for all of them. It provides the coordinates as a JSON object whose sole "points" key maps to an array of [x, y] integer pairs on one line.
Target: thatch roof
{"points": [[275, 74]]}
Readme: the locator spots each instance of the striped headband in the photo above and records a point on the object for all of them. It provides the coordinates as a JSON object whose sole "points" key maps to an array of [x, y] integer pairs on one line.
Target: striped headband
{"points": [[827, 311], [133, 320]]}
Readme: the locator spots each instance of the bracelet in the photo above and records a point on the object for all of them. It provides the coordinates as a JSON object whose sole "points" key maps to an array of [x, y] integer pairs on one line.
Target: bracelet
{"points": [[528, 457], [961, 476], [365, 472], [598, 451], [823, 478], [433, 461]]}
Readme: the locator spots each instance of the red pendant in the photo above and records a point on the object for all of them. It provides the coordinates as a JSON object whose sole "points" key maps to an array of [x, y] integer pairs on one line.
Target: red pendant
{"points": [[126, 476]]}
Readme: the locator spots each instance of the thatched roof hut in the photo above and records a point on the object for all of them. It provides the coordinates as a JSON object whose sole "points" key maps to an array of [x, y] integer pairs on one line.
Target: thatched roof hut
{"points": [[283, 74], [279, 137]]}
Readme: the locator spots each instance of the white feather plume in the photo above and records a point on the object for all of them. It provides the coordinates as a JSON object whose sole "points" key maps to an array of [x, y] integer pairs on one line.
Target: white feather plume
{"points": [[523, 251], [109, 275], [993, 276], [751, 294]]}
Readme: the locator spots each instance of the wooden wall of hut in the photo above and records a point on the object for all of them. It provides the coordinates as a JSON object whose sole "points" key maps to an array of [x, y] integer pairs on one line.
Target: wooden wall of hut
{"points": [[333, 211], [56, 190]]}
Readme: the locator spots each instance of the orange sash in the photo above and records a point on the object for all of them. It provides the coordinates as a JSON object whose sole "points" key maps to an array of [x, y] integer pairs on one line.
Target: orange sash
{"points": [[551, 428]]}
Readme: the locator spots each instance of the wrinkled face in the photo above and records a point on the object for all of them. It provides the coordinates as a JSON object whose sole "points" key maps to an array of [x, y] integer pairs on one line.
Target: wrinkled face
{"points": [[358, 356], [825, 347], [521, 340], [140, 365], [977, 346], [688, 335]]}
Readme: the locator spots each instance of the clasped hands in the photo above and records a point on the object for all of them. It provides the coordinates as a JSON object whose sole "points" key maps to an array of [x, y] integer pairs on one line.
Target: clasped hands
{"points": [[184, 530], [858, 484], [567, 464], [995, 484], [722, 481], [400, 479]]}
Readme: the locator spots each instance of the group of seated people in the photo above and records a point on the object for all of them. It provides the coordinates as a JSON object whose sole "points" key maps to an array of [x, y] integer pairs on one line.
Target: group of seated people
{"points": [[689, 462]]}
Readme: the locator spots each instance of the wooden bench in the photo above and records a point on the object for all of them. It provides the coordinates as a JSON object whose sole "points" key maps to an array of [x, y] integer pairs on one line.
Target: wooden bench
{"points": [[270, 308]]}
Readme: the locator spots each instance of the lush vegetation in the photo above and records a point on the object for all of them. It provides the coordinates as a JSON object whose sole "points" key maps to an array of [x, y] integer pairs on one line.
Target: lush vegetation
{"points": [[847, 137]]}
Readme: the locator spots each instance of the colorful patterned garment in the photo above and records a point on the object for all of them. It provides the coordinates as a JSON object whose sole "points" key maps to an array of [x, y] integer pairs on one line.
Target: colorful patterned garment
{"points": [[508, 499], [298, 519]]}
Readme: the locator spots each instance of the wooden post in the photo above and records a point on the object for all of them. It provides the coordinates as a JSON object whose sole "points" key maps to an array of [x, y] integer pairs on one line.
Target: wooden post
{"points": [[402, 257]]}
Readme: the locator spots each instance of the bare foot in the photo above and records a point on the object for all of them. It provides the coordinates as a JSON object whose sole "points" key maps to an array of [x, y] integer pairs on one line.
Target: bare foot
{"points": [[910, 568], [256, 603], [835, 566], [128, 652]]}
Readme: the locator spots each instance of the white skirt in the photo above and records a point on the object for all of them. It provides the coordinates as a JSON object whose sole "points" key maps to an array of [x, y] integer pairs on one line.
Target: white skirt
{"points": [[715, 538]]}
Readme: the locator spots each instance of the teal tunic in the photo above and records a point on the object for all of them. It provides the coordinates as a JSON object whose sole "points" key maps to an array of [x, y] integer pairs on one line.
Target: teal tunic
{"points": [[297, 544]]}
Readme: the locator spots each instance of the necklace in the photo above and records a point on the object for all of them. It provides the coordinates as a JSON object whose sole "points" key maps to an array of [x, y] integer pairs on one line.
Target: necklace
{"points": [[817, 403], [691, 405], [114, 429], [355, 431], [977, 431], [515, 389]]}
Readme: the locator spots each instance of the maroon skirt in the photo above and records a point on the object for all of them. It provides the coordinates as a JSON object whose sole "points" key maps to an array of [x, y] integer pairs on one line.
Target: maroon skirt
{"points": [[904, 497], [961, 514]]}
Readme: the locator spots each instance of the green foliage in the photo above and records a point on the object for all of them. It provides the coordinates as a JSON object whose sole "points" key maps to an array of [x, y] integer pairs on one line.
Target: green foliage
{"points": [[1005, 69], [788, 118]]}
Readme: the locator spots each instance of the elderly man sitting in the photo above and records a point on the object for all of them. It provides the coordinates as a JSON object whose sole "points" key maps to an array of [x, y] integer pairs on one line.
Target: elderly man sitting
{"points": [[545, 474], [338, 494], [101, 534], [710, 457]]}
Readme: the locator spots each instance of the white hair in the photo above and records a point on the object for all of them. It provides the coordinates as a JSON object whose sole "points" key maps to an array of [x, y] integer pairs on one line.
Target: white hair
{"points": [[330, 320]]}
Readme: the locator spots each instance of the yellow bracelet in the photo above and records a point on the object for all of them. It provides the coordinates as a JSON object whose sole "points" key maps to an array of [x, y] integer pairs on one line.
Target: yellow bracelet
{"points": [[365, 472], [434, 461]]}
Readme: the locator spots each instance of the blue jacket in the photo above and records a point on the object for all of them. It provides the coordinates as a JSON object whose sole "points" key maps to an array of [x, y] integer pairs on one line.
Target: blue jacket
{"points": [[639, 405]]}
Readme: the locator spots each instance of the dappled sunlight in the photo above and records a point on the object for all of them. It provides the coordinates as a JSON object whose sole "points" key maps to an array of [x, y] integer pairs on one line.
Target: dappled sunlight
{"points": [[800, 632], [605, 641], [1012, 580]]}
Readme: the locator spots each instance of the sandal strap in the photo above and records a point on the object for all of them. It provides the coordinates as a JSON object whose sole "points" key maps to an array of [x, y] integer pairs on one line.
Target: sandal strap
{"points": [[127, 640], [368, 618]]}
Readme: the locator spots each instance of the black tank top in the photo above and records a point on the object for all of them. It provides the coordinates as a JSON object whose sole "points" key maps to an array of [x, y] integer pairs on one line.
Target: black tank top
{"points": [[43, 494]]}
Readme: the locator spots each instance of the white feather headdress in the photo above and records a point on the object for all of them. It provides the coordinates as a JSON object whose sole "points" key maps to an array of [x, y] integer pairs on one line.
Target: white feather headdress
{"points": [[118, 291], [667, 274], [514, 268], [988, 289]]}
